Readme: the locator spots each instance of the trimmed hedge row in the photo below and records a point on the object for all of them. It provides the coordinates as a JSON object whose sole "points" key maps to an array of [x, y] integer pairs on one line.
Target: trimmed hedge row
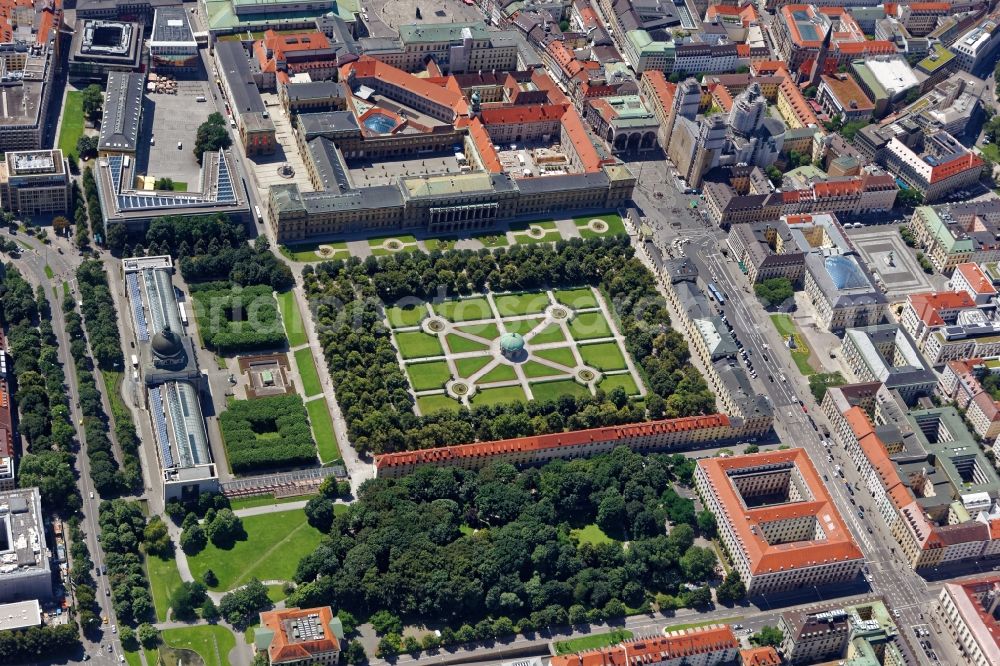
{"points": [[266, 433], [238, 319]]}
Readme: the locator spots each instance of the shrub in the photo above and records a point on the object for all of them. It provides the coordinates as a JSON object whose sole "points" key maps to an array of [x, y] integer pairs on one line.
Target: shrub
{"points": [[267, 432]]}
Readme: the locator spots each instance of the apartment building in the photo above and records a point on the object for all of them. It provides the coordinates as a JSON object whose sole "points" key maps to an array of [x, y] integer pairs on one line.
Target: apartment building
{"points": [[300, 636], [953, 234], [885, 353], [945, 165], [712, 645], [949, 326], [861, 633], [968, 611], [769, 508]]}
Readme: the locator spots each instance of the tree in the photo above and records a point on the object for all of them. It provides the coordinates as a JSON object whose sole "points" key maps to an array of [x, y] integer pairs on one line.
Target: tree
{"points": [[209, 611], [707, 524], [774, 291], [354, 653], [60, 225], [389, 646], [611, 514], [193, 540], [731, 589], [186, 600], [212, 135], [93, 102], [240, 606], [319, 513], [127, 636], [148, 635], [209, 578], [86, 146], [224, 529], [909, 197], [850, 129], [384, 622], [767, 635], [116, 239], [156, 539], [774, 173], [164, 184], [699, 597], [698, 563]]}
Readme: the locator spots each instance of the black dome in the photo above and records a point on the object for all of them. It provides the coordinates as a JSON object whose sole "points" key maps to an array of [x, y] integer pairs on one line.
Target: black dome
{"points": [[166, 343]]}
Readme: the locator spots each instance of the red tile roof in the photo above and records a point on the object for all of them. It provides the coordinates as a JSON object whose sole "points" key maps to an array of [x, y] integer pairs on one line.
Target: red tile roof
{"points": [[838, 546], [513, 115], [928, 304], [487, 153], [663, 90], [551, 441], [976, 278], [761, 656], [285, 648], [674, 645], [367, 67]]}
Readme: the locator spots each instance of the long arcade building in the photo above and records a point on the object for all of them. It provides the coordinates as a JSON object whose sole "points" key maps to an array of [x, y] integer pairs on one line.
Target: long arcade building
{"points": [[171, 379]]}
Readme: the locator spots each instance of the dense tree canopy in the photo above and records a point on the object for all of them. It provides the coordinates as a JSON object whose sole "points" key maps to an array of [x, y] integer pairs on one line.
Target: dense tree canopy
{"points": [[774, 291], [347, 298], [123, 527], [406, 546], [212, 135]]}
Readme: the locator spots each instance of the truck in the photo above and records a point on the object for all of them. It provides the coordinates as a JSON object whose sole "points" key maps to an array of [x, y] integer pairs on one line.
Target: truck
{"points": [[135, 361], [183, 313], [838, 470]]}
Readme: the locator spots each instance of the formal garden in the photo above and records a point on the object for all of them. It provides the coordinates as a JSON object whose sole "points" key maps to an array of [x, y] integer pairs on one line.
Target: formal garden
{"points": [[267, 433], [237, 319], [495, 348], [453, 347]]}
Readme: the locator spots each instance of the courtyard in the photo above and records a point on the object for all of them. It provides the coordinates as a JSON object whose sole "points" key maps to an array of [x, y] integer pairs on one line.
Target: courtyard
{"points": [[891, 261], [499, 348]]}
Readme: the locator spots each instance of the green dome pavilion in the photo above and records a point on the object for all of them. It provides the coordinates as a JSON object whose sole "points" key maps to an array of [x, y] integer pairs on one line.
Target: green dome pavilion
{"points": [[511, 344]]}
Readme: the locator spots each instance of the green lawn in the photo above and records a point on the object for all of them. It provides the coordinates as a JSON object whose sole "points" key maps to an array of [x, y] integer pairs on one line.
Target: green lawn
{"points": [[457, 344], [377, 245], [212, 642], [133, 658], [786, 327], [560, 355], [179, 186], [501, 373], [275, 543], [589, 325], [488, 330], [49, 273], [322, 425], [443, 244], [547, 225], [468, 366], [510, 305], [614, 381], [603, 356], [553, 390], [534, 370], [548, 237], [466, 309], [264, 500], [307, 371], [577, 299], [615, 226], [551, 333], [292, 319], [427, 376], [408, 315], [152, 656], [163, 580], [113, 383], [593, 641], [432, 403], [417, 344], [522, 326], [276, 593], [591, 534], [493, 240], [494, 396], [72, 122], [310, 251]]}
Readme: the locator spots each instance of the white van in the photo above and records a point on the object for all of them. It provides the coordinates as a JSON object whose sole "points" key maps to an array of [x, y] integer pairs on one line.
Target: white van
{"points": [[180, 145], [199, 98]]}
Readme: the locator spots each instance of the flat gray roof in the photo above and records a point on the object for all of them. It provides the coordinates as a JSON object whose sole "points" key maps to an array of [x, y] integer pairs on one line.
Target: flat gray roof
{"points": [[171, 25]]}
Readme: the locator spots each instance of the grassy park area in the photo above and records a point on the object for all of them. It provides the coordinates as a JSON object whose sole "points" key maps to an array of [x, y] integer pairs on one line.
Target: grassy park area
{"points": [[593, 641], [322, 426], [315, 251], [307, 371], [292, 319], [591, 534], [164, 578], [72, 122], [275, 543], [595, 226], [800, 353], [211, 642]]}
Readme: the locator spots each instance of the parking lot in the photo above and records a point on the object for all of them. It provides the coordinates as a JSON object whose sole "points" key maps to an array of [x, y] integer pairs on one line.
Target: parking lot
{"points": [[168, 120]]}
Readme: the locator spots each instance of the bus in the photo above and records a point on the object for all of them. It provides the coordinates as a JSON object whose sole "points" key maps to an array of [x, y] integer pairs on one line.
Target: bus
{"points": [[183, 313], [716, 294], [256, 212]]}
